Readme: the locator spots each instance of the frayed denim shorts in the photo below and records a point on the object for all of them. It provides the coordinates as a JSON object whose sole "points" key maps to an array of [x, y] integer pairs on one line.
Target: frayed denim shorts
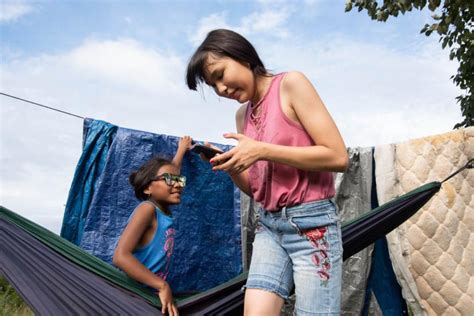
{"points": [[300, 247]]}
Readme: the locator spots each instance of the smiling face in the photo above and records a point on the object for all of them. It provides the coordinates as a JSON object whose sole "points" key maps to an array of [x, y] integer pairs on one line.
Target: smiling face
{"points": [[230, 78], [162, 193]]}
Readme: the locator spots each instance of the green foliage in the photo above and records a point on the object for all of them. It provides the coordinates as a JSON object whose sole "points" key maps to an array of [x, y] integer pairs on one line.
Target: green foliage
{"points": [[11, 304], [455, 28]]}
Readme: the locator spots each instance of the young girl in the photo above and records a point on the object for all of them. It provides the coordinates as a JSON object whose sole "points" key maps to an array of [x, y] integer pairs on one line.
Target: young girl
{"points": [[146, 245], [288, 147]]}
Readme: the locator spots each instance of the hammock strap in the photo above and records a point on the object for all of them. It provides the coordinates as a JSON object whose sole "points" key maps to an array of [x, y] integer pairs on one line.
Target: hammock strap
{"points": [[468, 165]]}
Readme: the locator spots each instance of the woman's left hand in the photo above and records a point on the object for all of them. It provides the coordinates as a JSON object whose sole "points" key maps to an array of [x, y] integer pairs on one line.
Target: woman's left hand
{"points": [[239, 158]]}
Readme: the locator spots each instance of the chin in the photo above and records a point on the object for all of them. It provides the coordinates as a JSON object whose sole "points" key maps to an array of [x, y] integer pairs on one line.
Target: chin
{"points": [[242, 98]]}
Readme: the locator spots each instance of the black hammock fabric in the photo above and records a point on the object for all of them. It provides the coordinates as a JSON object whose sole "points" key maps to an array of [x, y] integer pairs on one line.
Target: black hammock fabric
{"points": [[37, 266]]}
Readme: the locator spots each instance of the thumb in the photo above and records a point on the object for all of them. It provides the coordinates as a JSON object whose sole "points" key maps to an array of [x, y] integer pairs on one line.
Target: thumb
{"points": [[235, 136]]}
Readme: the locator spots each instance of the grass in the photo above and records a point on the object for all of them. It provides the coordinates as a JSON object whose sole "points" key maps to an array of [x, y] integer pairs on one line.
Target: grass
{"points": [[11, 304]]}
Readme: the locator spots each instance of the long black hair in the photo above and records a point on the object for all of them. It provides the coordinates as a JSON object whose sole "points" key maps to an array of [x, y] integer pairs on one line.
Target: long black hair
{"points": [[141, 178], [222, 42]]}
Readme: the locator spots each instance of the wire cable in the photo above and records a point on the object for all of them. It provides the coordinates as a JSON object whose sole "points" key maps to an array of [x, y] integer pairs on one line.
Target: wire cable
{"points": [[42, 105]]}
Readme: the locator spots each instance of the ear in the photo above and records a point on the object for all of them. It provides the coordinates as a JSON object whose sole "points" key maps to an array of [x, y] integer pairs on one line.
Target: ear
{"points": [[147, 191]]}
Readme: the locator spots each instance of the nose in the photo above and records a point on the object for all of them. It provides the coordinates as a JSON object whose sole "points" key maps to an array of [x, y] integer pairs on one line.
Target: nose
{"points": [[220, 88], [178, 185]]}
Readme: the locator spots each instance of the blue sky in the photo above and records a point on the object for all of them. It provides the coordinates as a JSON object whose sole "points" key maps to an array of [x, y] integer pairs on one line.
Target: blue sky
{"points": [[124, 62]]}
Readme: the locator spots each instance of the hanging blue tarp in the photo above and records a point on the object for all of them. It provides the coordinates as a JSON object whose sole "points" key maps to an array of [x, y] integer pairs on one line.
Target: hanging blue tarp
{"points": [[97, 138], [207, 248]]}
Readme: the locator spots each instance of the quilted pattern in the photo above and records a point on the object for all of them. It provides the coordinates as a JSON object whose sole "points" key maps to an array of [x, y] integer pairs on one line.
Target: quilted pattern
{"points": [[436, 245]]}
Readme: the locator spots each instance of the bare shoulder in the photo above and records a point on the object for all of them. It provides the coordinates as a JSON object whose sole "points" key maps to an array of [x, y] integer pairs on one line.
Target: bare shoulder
{"points": [[294, 80], [145, 211]]}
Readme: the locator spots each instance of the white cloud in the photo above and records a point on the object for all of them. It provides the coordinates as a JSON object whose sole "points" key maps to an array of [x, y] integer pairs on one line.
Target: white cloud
{"points": [[122, 82], [270, 20], [207, 24], [127, 62], [377, 95], [13, 10]]}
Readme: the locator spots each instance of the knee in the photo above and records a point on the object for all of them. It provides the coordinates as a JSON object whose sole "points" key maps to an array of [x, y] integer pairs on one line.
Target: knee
{"points": [[262, 303]]}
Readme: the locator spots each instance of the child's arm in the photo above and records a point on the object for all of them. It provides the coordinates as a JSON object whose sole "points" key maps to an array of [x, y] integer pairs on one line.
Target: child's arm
{"points": [[124, 259], [183, 146]]}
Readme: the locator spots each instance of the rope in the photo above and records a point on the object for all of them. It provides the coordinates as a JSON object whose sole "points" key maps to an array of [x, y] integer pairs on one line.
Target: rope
{"points": [[42, 105], [468, 165]]}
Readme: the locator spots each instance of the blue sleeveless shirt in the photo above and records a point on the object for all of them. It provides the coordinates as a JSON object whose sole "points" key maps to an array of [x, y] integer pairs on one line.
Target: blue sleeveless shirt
{"points": [[156, 255]]}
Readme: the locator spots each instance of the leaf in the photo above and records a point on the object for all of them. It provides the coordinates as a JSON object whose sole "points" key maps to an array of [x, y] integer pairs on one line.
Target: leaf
{"points": [[348, 6]]}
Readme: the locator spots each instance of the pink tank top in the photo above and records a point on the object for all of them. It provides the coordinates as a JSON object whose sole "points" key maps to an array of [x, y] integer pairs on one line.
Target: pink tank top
{"points": [[276, 185]]}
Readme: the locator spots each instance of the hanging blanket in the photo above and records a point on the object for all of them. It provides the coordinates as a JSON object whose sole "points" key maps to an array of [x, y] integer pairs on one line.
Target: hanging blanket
{"points": [[433, 252]]}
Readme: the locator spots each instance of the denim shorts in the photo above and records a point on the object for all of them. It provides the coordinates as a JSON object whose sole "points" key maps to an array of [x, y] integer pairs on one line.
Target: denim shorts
{"points": [[300, 247]]}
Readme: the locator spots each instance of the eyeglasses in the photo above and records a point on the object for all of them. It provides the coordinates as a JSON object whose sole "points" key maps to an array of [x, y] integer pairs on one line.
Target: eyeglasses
{"points": [[171, 179]]}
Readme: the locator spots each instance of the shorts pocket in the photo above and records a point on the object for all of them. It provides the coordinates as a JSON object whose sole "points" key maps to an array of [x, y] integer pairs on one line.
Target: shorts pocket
{"points": [[316, 218]]}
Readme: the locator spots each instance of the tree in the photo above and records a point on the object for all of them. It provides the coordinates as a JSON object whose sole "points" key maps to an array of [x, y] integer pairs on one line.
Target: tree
{"points": [[455, 28]]}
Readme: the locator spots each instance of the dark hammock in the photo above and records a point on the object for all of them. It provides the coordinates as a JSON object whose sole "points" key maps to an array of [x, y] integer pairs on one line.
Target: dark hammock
{"points": [[55, 276]]}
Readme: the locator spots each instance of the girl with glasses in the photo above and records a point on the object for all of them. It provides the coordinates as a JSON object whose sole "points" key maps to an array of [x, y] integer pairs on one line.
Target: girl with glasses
{"points": [[145, 248]]}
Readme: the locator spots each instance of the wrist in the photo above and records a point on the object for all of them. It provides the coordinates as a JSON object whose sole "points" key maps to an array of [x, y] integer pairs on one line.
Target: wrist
{"points": [[262, 151], [161, 285]]}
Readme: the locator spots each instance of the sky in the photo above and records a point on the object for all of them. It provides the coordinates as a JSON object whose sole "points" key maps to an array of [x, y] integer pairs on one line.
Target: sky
{"points": [[124, 62]]}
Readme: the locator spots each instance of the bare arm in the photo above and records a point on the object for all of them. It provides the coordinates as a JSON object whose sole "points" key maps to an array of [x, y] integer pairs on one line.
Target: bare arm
{"points": [[125, 260], [241, 179], [305, 107], [183, 146], [123, 257]]}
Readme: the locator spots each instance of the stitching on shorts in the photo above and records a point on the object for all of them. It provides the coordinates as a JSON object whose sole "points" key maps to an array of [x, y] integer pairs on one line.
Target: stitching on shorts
{"points": [[317, 238]]}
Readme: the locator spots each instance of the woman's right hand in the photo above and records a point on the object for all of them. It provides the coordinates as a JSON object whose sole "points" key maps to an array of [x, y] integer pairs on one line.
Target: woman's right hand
{"points": [[166, 298]]}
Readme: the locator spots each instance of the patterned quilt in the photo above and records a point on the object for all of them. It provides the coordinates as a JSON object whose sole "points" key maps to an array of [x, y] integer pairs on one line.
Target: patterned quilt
{"points": [[433, 252]]}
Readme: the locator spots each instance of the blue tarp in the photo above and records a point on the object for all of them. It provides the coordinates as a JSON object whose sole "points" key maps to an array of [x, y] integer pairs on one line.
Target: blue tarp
{"points": [[382, 281], [208, 239]]}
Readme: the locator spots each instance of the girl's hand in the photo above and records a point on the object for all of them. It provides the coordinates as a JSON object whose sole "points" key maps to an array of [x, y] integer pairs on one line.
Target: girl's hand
{"points": [[166, 298], [239, 158], [185, 142]]}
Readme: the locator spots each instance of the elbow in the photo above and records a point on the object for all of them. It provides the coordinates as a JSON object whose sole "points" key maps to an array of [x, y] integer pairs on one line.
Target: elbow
{"points": [[117, 258], [342, 163]]}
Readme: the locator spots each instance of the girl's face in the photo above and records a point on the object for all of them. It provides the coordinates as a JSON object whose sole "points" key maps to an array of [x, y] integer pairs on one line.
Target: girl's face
{"points": [[230, 78], [162, 192]]}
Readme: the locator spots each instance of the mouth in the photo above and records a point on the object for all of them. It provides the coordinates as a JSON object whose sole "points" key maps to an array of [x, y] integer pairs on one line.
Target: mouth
{"points": [[234, 95]]}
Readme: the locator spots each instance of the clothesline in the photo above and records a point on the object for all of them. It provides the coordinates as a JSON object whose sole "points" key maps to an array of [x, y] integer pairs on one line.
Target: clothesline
{"points": [[41, 105]]}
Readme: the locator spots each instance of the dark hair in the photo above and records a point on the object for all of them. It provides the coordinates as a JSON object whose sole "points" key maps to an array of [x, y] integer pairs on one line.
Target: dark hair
{"points": [[141, 178], [227, 43]]}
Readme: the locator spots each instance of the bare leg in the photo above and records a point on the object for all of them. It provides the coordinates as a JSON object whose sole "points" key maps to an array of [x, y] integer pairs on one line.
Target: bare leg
{"points": [[262, 303]]}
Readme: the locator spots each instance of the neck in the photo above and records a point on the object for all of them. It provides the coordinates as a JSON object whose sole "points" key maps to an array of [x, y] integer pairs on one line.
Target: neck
{"points": [[162, 206], [262, 85]]}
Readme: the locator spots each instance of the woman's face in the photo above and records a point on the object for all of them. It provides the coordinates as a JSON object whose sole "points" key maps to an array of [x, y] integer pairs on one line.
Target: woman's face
{"points": [[230, 78]]}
